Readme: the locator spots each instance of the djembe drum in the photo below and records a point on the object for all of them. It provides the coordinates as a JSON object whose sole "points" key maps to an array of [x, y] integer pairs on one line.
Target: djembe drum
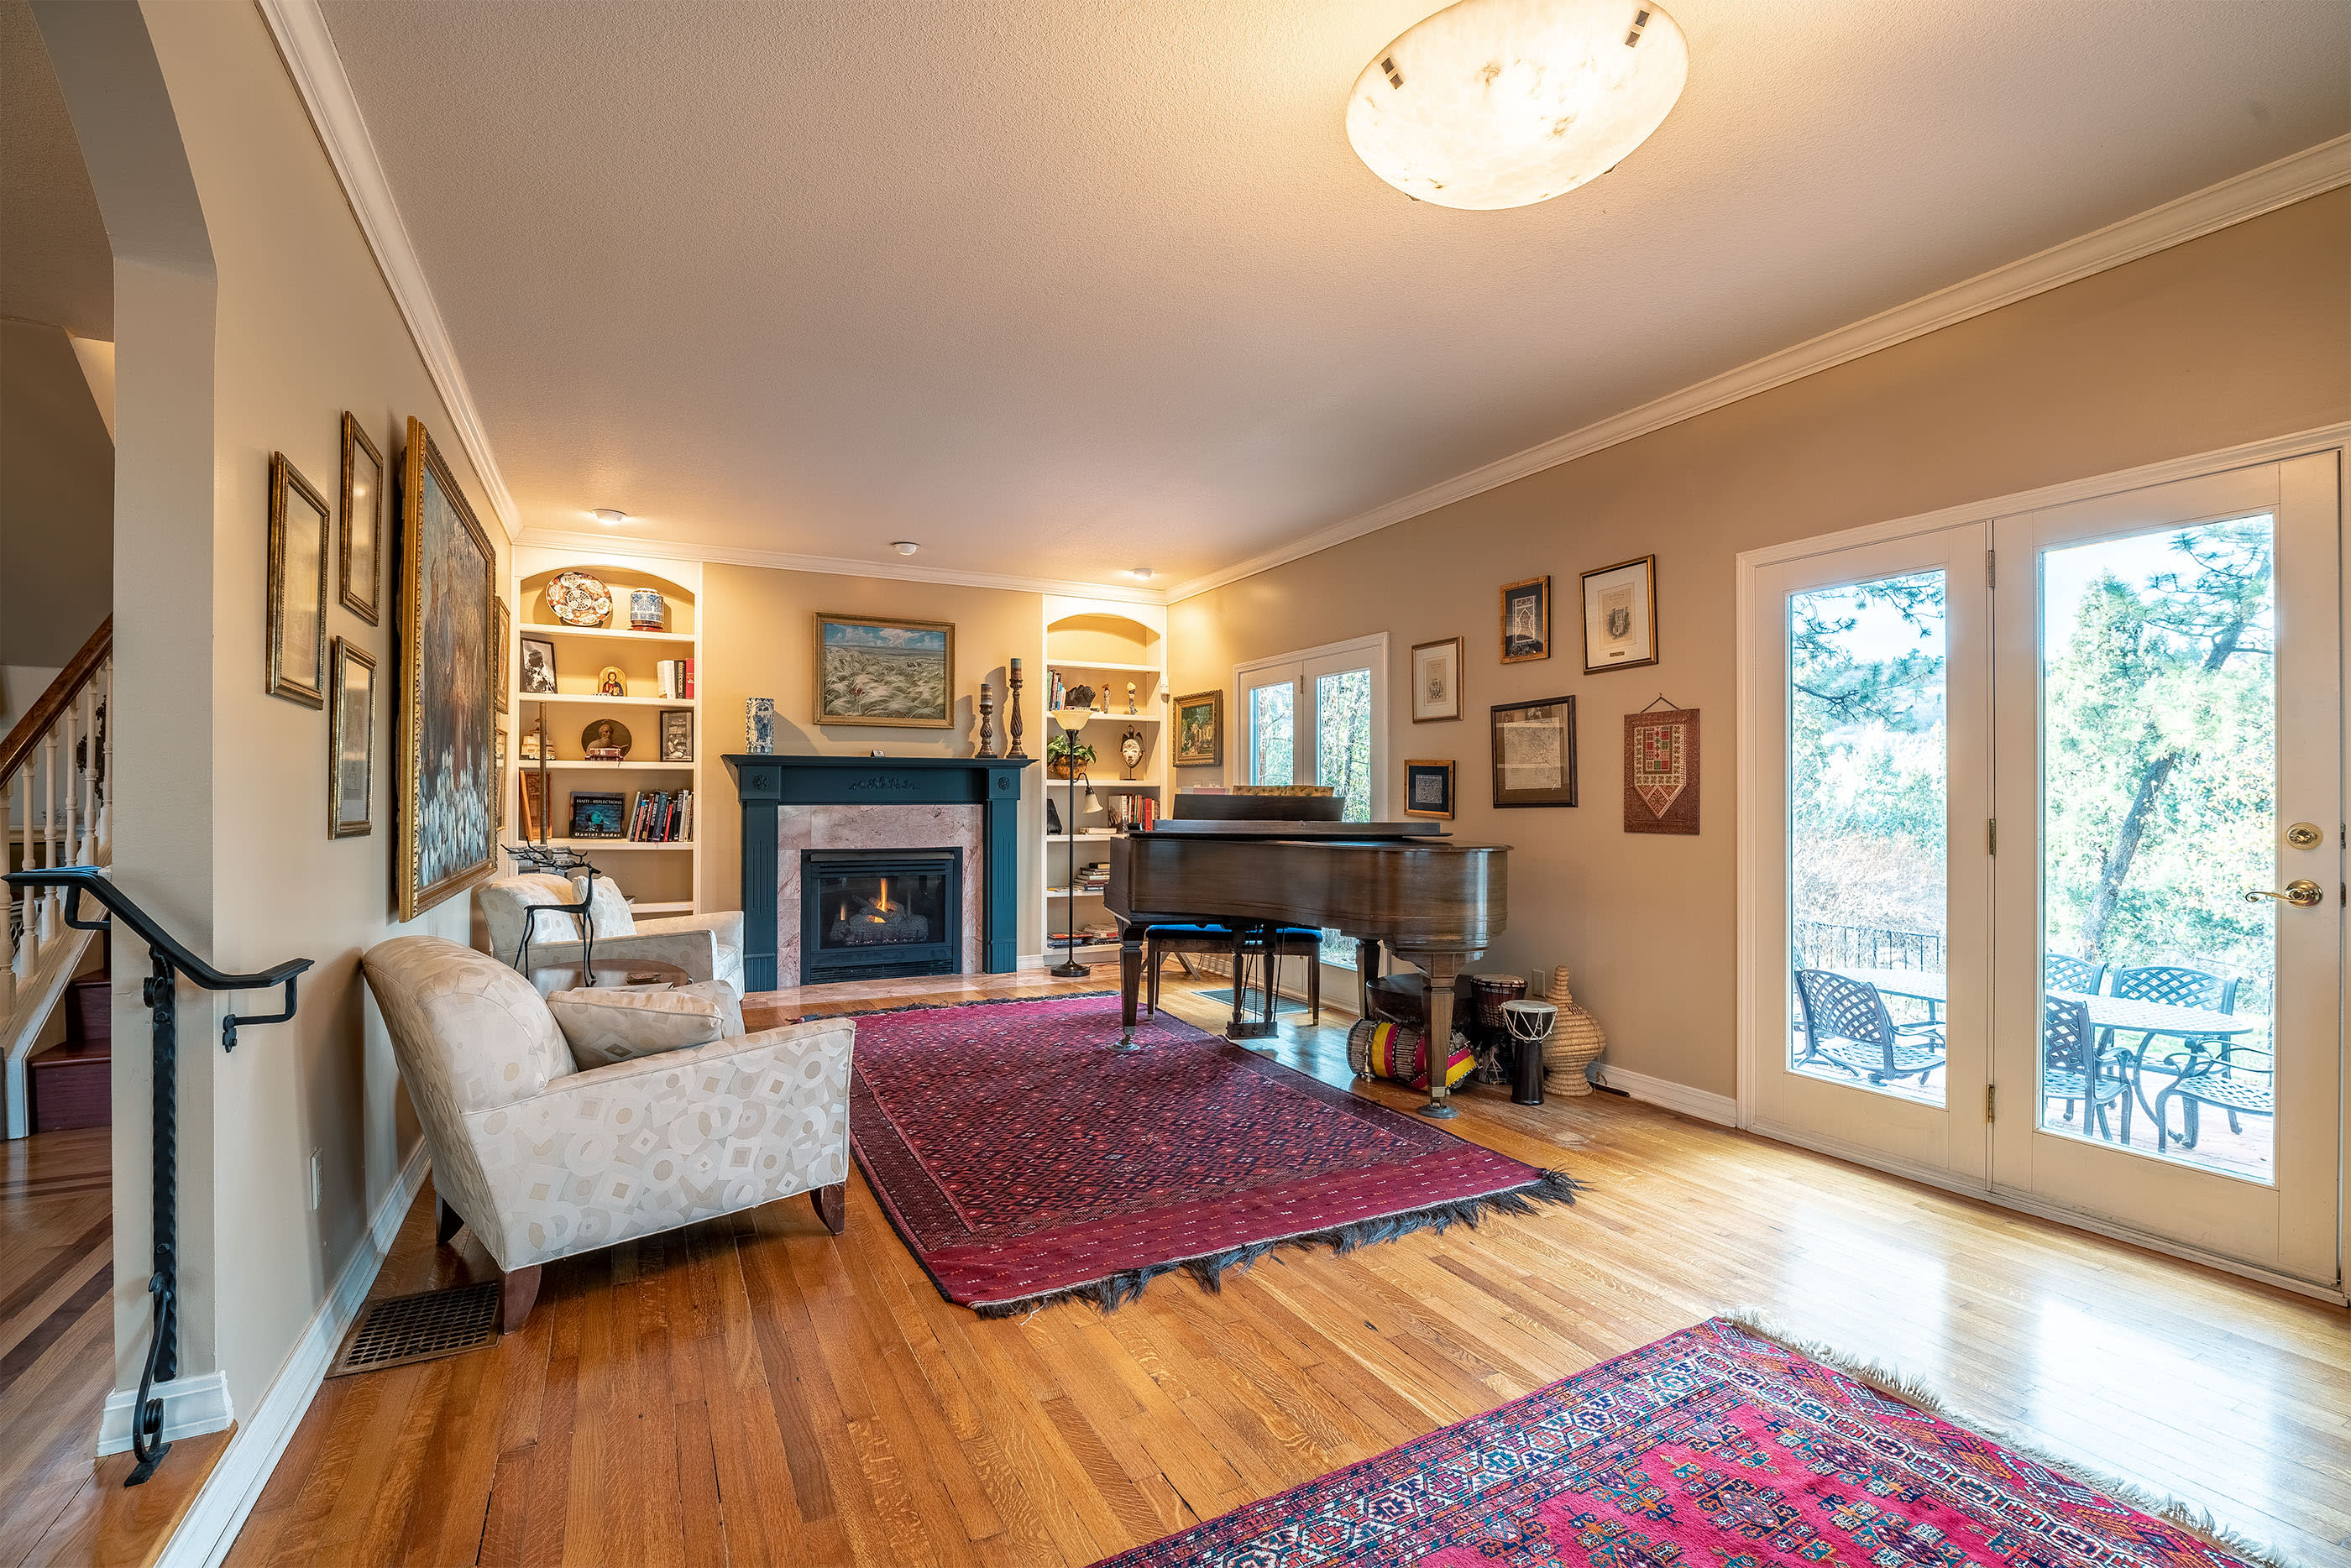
{"points": [[1530, 1023], [1489, 995]]}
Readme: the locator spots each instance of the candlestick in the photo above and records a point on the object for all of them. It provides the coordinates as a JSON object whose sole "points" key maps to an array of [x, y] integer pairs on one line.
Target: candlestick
{"points": [[1012, 720], [986, 729]]}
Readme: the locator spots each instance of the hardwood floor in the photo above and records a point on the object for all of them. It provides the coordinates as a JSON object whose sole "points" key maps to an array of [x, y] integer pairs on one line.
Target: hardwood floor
{"points": [[59, 1504], [754, 1390]]}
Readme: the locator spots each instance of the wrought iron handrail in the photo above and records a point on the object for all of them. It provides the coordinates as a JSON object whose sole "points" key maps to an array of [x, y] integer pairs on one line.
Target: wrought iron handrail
{"points": [[172, 960]]}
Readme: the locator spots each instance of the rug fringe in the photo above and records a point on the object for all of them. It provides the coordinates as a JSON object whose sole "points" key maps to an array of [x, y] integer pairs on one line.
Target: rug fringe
{"points": [[1117, 1290], [1922, 1393]]}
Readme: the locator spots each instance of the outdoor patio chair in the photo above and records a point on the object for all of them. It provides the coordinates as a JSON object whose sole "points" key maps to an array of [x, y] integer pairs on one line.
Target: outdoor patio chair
{"points": [[2059, 973], [2078, 1070], [2173, 985], [1845, 1021], [2241, 1079]]}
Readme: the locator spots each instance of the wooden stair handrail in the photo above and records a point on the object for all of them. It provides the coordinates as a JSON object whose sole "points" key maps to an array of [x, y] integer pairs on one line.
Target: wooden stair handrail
{"points": [[54, 702]]}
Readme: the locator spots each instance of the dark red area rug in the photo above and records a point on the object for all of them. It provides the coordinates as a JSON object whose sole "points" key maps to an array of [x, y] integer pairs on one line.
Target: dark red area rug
{"points": [[1713, 1448], [1024, 1162]]}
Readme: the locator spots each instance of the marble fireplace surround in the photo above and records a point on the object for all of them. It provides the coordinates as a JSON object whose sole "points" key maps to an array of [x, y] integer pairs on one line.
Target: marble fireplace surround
{"points": [[822, 801], [799, 827]]}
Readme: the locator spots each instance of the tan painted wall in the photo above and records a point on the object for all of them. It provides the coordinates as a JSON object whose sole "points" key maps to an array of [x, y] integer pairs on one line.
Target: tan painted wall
{"points": [[56, 499], [306, 328], [2242, 334], [759, 640]]}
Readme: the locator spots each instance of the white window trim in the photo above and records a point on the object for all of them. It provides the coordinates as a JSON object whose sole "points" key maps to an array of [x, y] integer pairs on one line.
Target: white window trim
{"points": [[1375, 647]]}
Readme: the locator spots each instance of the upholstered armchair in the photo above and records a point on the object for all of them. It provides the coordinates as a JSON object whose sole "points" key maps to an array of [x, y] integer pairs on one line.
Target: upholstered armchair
{"points": [[707, 947], [543, 1159]]}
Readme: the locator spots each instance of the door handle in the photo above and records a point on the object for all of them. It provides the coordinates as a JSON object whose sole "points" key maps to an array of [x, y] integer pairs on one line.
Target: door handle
{"points": [[2302, 893]]}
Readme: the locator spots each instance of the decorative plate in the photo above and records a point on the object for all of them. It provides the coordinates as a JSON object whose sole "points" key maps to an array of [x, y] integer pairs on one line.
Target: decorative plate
{"points": [[606, 735], [579, 599]]}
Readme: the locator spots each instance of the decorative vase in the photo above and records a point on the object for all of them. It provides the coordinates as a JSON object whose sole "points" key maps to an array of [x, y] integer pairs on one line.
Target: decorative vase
{"points": [[759, 726], [648, 611], [1575, 1044]]}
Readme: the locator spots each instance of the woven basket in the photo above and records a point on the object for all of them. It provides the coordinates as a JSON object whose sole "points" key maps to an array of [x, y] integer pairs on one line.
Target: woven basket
{"points": [[1575, 1044]]}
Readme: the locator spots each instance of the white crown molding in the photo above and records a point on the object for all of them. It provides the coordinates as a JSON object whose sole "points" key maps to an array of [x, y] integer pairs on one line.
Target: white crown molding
{"points": [[308, 51], [2290, 179], [830, 565]]}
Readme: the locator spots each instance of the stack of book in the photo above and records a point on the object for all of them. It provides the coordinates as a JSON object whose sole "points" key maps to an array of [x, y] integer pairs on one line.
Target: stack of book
{"points": [[675, 678], [662, 817], [1130, 812], [1094, 879]]}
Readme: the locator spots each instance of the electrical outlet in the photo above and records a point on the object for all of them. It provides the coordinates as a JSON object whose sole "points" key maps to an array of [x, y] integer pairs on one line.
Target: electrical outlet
{"points": [[316, 1175]]}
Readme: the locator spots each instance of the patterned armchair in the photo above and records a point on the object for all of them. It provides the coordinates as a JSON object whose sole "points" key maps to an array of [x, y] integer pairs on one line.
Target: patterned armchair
{"points": [[544, 1160], [707, 947]]}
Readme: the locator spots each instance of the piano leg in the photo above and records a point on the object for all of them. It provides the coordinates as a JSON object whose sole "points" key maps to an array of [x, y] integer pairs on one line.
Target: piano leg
{"points": [[1130, 982], [1442, 967], [1367, 970]]}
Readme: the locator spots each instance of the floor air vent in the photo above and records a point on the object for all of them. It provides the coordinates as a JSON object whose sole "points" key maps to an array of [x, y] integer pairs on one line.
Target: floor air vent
{"points": [[403, 1329]]}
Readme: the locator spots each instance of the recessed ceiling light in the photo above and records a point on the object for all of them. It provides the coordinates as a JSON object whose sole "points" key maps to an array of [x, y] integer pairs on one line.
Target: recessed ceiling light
{"points": [[905, 547], [610, 517], [1504, 103], [1140, 573]]}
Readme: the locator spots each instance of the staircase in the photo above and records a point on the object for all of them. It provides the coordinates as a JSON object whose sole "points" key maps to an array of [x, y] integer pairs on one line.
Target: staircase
{"points": [[54, 768]]}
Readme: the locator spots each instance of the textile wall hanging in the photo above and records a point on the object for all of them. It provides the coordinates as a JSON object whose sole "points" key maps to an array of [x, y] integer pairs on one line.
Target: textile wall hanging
{"points": [[1661, 770]]}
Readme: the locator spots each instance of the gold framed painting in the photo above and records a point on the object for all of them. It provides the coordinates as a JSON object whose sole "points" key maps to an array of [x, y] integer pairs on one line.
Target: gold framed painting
{"points": [[448, 595], [500, 659], [1200, 730], [1526, 621], [298, 587], [362, 521], [1620, 615], [1428, 788], [350, 740], [899, 673]]}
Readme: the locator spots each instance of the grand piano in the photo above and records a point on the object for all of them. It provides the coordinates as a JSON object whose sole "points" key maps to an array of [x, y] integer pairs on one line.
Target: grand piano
{"points": [[1428, 898]]}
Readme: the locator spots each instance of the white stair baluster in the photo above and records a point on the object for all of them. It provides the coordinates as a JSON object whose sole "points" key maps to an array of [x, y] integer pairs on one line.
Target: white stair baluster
{"points": [[71, 846], [104, 781], [30, 953]]}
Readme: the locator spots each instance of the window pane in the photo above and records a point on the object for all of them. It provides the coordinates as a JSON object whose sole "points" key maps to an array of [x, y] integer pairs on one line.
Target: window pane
{"points": [[1343, 740], [1868, 801], [2159, 742], [1271, 742]]}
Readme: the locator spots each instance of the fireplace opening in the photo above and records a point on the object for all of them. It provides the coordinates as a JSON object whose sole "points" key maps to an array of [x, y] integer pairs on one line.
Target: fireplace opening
{"points": [[872, 914]]}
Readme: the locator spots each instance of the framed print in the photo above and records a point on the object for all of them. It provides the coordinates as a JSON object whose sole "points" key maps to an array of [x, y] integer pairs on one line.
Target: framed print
{"points": [[1436, 680], [1200, 730], [894, 672], [499, 788], [531, 791], [538, 666], [1526, 621], [362, 521], [677, 734], [1428, 788], [298, 587], [350, 739], [1661, 770], [597, 814], [1534, 752], [504, 654], [1620, 615], [447, 604]]}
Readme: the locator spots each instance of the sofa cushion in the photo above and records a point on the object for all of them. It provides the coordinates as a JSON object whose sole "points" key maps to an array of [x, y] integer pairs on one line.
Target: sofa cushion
{"points": [[614, 1024], [609, 911], [724, 997], [504, 901]]}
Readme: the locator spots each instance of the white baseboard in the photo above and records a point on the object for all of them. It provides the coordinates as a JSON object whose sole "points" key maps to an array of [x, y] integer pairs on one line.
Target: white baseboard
{"points": [[228, 1494], [191, 1407], [1720, 1110]]}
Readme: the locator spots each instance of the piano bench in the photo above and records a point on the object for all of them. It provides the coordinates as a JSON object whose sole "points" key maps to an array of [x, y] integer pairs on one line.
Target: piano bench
{"points": [[1290, 941]]}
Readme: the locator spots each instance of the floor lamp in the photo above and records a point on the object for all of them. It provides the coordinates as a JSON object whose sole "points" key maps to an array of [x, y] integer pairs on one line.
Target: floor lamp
{"points": [[1077, 707]]}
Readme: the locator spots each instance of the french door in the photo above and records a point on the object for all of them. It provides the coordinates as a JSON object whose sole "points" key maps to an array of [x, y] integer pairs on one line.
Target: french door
{"points": [[2044, 860], [1318, 718]]}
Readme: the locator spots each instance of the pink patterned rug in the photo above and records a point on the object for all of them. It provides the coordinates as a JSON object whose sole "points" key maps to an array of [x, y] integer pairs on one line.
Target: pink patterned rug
{"points": [[1024, 1162], [1712, 1448]]}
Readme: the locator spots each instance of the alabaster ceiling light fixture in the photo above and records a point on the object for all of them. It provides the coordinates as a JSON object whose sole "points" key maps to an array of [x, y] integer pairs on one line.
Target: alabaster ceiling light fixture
{"points": [[1503, 103]]}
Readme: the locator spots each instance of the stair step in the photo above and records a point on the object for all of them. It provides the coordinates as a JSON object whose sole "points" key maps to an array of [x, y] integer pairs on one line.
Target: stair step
{"points": [[72, 1086], [89, 1009]]}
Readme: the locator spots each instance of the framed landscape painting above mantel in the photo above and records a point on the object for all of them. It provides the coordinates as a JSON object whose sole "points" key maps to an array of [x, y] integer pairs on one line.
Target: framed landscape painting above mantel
{"points": [[899, 673]]}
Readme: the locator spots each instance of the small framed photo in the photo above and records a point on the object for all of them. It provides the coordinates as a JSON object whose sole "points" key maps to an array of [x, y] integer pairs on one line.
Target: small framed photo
{"points": [[1436, 681], [538, 666], [1428, 788], [1526, 621], [596, 813], [299, 520], [677, 734], [1200, 730], [499, 761], [351, 736], [1620, 615], [503, 660], [362, 521], [1534, 752]]}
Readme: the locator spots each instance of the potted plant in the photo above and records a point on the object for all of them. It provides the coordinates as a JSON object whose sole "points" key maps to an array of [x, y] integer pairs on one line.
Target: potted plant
{"points": [[1058, 754]]}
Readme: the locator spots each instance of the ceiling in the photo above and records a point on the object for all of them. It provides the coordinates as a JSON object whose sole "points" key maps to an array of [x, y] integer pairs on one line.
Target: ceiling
{"points": [[56, 268], [1060, 287]]}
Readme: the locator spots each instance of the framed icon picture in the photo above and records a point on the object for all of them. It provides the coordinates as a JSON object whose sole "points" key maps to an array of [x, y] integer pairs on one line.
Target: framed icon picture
{"points": [[1436, 681], [298, 587], [1534, 752], [1200, 730], [1620, 615], [1526, 621], [1428, 788]]}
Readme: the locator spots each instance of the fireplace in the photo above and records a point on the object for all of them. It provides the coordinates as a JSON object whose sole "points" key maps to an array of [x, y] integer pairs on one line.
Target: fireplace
{"points": [[872, 914]]}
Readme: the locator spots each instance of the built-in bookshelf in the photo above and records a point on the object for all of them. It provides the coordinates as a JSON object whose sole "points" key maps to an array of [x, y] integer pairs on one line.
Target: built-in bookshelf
{"points": [[658, 878], [1121, 650]]}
